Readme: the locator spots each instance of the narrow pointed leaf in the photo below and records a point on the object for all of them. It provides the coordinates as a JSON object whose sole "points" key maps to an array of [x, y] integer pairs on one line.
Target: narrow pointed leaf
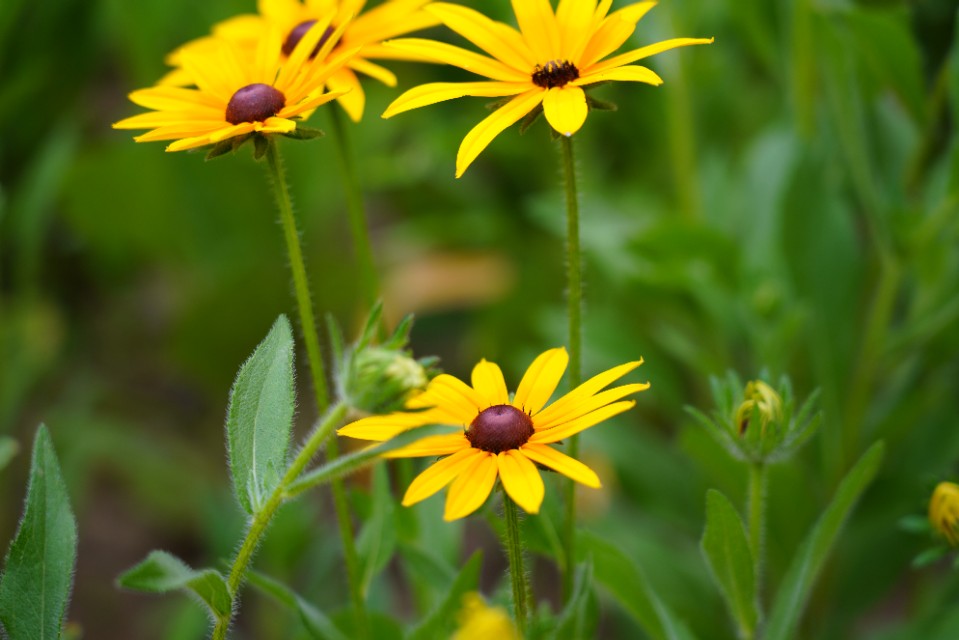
{"points": [[377, 541], [261, 416], [574, 619], [162, 573], [798, 582], [726, 549], [437, 622], [317, 625], [38, 570]]}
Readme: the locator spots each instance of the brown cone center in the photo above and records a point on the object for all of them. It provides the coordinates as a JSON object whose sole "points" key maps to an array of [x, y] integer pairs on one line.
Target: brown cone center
{"points": [[500, 428], [254, 103], [297, 33], [555, 73]]}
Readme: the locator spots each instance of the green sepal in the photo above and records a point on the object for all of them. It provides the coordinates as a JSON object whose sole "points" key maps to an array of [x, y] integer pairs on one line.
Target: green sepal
{"points": [[261, 144], [600, 105], [230, 145], [162, 572], [929, 556], [304, 133], [530, 119], [496, 104]]}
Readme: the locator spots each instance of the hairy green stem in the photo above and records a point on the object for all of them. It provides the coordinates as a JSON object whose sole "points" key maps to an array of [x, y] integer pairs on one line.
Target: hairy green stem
{"points": [[315, 357], [574, 300], [517, 573], [757, 490], [262, 518], [363, 248]]}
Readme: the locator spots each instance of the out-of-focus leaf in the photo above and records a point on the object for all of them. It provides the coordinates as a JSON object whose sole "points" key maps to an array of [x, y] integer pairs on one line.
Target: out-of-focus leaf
{"points": [[797, 584], [574, 619], [8, 449], [437, 622], [162, 572], [261, 416], [377, 540], [38, 570], [317, 625]]}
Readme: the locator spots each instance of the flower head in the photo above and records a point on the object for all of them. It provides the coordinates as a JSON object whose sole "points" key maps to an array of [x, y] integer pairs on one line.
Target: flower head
{"points": [[761, 400], [479, 621], [498, 435], [238, 94], [944, 511], [546, 63], [363, 31]]}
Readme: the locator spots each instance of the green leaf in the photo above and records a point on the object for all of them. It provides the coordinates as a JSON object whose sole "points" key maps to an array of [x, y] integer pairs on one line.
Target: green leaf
{"points": [[794, 591], [573, 620], [8, 449], [726, 549], [377, 541], [35, 587], [162, 573], [436, 622], [261, 416], [316, 623]]}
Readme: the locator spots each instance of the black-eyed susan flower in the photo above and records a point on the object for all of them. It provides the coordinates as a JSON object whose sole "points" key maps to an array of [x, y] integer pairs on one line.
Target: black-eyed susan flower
{"points": [[364, 31], [944, 511], [237, 94], [499, 436], [547, 62]]}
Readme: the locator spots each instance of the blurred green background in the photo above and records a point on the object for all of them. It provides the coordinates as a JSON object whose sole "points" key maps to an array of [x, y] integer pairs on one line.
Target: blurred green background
{"points": [[787, 201]]}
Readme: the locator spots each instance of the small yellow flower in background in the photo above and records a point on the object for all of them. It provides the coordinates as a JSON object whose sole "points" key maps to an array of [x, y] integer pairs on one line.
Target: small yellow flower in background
{"points": [[479, 621], [499, 436], [547, 62], [365, 31], [237, 94], [758, 396], [944, 511]]}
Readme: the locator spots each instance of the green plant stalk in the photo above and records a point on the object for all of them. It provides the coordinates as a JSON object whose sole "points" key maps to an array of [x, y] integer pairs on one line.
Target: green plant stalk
{"points": [[317, 370], [517, 573], [263, 517], [574, 301], [757, 498], [363, 248]]}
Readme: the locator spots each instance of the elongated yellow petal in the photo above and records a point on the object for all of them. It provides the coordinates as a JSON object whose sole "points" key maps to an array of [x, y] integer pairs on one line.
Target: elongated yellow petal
{"points": [[440, 445], [644, 52], [574, 18], [304, 48], [175, 99], [592, 386], [184, 144], [587, 405], [565, 109], [206, 73], [311, 103], [372, 70], [229, 132], [430, 50], [558, 461], [540, 380], [490, 127], [184, 129], [495, 38], [427, 94], [548, 436], [389, 20], [521, 480], [382, 428], [156, 119], [275, 125], [632, 73], [437, 476], [538, 24], [471, 488], [488, 381], [354, 100], [608, 37], [456, 397]]}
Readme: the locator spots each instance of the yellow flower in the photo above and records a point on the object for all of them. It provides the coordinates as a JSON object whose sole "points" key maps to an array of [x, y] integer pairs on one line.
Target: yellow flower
{"points": [[547, 62], [478, 621], [944, 511], [499, 436], [238, 94], [365, 31]]}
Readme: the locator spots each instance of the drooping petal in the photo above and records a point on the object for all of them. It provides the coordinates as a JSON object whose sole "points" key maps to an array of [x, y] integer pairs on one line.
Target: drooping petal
{"points": [[432, 51], [490, 127], [184, 144], [521, 480], [645, 52], [471, 488], [499, 40], [537, 22], [488, 381], [431, 93], [565, 109], [558, 461], [540, 380], [633, 73], [437, 476], [587, 405], [374, 71], [548, 436], [440, 445], [354, 100], [592, 386]]}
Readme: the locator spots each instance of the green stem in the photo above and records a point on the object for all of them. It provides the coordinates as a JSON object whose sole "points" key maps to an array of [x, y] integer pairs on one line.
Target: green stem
{"points": [[757, 489], [369, 282], [263, 517], [310, 337], [517, 573], [574, 301]]}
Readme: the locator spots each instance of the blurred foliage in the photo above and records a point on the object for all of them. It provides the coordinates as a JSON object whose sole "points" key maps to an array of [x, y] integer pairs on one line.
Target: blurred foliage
{"points": [[787, 200]]}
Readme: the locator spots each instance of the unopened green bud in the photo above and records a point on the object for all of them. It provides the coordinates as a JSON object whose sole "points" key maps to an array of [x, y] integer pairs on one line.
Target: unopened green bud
{"points": [[381, 380], [761, 400]]}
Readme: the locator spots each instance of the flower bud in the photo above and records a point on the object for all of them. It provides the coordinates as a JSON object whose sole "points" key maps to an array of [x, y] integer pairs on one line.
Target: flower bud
{"points": [[760, 400], [381, 380], [944, 511]]}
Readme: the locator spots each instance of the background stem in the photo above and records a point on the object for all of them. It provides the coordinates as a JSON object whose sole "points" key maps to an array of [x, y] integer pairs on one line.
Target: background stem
{"points": [[517, 573], [757, 489]]}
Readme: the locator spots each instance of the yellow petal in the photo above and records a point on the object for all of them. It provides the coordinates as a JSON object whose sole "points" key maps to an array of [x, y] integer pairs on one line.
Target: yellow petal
{"points": [[389, 20], [294, 65], [456, 397], [482, 134], [176, 78], [230, 132], [427, 94], [587, 405], [276, 125], [437, 476], [374, 71], [538, 24], [634, 12], [354, 101], [188, 143], [521, 480], [471, 488], [565, 109], [540, 380], [633, 73], [557, 461], [175, 99], [207, 73], [185, 129], [592, 386], [488, 381], [440, 445], [495, 38], [309, 104], [548, 436], [432, 51], [381, 428], [644, 52], [575, 18], [156, 119], [608, 37]]}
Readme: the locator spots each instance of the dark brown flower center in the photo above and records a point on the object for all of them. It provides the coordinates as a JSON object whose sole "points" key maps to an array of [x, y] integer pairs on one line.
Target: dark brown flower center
{"points": [[254, 103], [555, 73], [499, 428], [297, 33]]}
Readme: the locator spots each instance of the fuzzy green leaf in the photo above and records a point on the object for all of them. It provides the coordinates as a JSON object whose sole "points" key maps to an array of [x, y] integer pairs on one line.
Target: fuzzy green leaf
{"points": [[436, 622], [261, 416], [162, 572], [726, 549], [794, 592], [38, 575]]}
